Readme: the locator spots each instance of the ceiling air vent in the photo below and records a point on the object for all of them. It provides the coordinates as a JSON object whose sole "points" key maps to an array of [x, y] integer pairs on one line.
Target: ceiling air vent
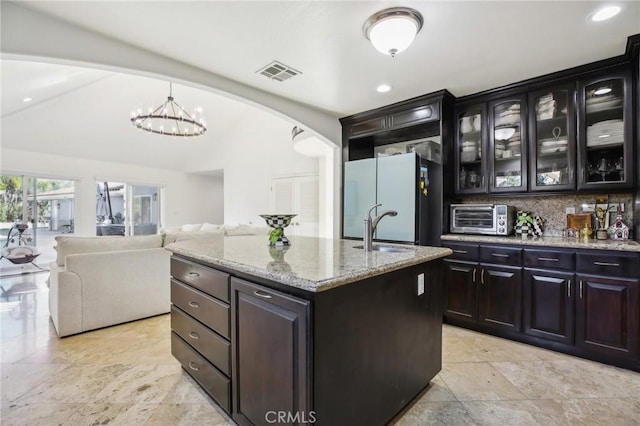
{"points": [[278, 71]]}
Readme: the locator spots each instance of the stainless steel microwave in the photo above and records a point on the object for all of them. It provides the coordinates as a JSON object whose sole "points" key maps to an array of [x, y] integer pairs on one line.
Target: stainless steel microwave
{"points": [[486, 219]]}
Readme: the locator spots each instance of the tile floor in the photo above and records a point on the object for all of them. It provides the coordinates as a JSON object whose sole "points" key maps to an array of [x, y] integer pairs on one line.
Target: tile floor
{"points": [[125, 375]]}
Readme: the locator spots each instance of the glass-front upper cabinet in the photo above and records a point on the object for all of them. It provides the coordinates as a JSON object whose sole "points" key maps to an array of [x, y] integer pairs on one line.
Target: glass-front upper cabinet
{"points": [[470, 147], [605, 148], [507, 154], [553, 141]]}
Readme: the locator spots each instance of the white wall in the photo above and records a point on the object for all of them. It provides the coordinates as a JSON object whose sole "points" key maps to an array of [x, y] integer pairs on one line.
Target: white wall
{"points": [[187, 198], [251, 155]]}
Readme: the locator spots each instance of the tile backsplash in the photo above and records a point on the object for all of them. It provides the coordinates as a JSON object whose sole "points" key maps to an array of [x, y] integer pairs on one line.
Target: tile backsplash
{"points": [[552, 208]]}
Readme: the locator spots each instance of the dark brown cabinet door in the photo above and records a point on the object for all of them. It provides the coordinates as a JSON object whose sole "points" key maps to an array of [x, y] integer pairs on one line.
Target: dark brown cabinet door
{"points": [[470, 150], [608, 316], [461, 290], [507, 154], [270, 357], [605, 132], [499, 303], [552, 139], [548, 304]]}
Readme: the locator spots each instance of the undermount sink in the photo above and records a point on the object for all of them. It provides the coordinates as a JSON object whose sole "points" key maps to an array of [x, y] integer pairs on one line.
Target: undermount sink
{"points": [[387, 249]]}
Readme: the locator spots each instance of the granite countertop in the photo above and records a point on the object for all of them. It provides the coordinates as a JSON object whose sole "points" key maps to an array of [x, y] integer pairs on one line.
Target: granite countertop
{"points": [[312, 264], [620, 245]]}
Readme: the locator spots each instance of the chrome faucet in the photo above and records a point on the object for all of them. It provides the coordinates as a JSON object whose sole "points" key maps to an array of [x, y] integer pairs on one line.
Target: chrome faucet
{"points": [[371, 224]]}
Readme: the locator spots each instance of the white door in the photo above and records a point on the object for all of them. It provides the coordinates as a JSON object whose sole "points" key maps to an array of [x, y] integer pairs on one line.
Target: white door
{"points": [[297, 195]]}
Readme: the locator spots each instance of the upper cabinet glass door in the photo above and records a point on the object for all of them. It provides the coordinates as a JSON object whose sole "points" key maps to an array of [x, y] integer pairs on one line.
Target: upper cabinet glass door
{"points": [[605, 151], [507, 148], [552, 135], [470, 147]]}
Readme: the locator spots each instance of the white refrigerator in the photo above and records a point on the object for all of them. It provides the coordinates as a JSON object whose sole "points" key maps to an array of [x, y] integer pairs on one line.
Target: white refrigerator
{"points": [[405, 183]]}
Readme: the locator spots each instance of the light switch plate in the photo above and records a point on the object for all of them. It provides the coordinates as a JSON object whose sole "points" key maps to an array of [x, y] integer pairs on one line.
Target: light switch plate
{"points": [[420, 284], [571, 210]]}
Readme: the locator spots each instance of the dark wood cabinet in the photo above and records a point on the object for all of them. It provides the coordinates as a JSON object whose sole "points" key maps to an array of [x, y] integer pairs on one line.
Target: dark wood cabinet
{"points": [[552, 138], [470, 148], [507, 149], [580, 301], [484, 293], [608, 316], [461, 290], [500, 297], [605, 132], [270, 357], [548, 304], [200, 326]]}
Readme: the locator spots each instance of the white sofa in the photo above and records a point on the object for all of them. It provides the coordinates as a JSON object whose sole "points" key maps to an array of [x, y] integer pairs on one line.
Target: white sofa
{"points": [[96, 282], [102, 281]]}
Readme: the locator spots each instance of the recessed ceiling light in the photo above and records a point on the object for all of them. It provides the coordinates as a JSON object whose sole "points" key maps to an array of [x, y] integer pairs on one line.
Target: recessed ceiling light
{"points": [[383, 88], [605, 13], [27, 99]]}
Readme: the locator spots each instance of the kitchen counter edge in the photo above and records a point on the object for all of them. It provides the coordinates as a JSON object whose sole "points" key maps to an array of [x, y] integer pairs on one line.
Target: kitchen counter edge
{"points": [[593, 244]]}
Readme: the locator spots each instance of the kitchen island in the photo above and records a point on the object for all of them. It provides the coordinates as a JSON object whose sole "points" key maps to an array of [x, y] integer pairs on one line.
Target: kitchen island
{"points": [[321, 332]]}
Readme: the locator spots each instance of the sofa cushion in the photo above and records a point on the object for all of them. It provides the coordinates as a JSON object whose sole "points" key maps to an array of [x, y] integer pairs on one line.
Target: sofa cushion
{"points": [[191, 227], [75, 245], [210, 227]]}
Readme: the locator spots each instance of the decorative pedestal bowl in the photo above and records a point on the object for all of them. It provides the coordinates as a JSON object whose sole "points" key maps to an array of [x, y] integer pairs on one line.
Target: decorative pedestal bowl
{"points": [[278, 222]]}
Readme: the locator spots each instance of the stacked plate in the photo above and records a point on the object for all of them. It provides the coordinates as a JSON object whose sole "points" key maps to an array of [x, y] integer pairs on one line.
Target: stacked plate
{"points": [[545, 107], [603, 133], [470, 151], [510, 115], [552, 145], [600, 103]]}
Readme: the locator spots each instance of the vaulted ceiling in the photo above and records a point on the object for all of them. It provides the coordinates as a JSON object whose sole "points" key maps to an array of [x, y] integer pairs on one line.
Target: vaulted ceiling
{"points": [[464, 46]]}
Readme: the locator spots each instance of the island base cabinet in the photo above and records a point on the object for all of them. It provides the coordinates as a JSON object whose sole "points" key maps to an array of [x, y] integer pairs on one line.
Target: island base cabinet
{"points": [[548, 305], [270, 357], [608, 316]]}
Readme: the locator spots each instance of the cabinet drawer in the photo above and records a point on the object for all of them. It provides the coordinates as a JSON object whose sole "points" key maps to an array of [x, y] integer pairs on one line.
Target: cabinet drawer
{"points": [[608, 264], [470, 252], [205, 309], [501, 255], [212, 381], [549, 259], [213, 347], [212, 282]]}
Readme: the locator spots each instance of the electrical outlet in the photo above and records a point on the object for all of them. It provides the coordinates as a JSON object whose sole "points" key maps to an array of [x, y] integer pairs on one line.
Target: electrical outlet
{"points": [[420, 284], [570, 210]]}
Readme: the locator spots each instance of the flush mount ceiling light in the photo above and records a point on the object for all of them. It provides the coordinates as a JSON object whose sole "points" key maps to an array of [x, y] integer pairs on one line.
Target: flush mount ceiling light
{"points": [[392, 30], [27, 99], [169, 119], [605, 13], [383, 88]]}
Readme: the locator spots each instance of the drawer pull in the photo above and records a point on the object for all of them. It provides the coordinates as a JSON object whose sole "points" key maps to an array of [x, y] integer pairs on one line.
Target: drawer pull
{"points": [[606, 264], [499, 255], [194, 305], [262, 294], [482, 277], [569, 290], [548, 259], [194, 274], [460, 251], [474, 275], [193, 366], [194, 335]]}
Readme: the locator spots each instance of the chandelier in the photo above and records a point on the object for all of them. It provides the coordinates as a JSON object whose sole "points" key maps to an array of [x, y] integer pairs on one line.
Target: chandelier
{"points": [[169, 119], [392, 30]]}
